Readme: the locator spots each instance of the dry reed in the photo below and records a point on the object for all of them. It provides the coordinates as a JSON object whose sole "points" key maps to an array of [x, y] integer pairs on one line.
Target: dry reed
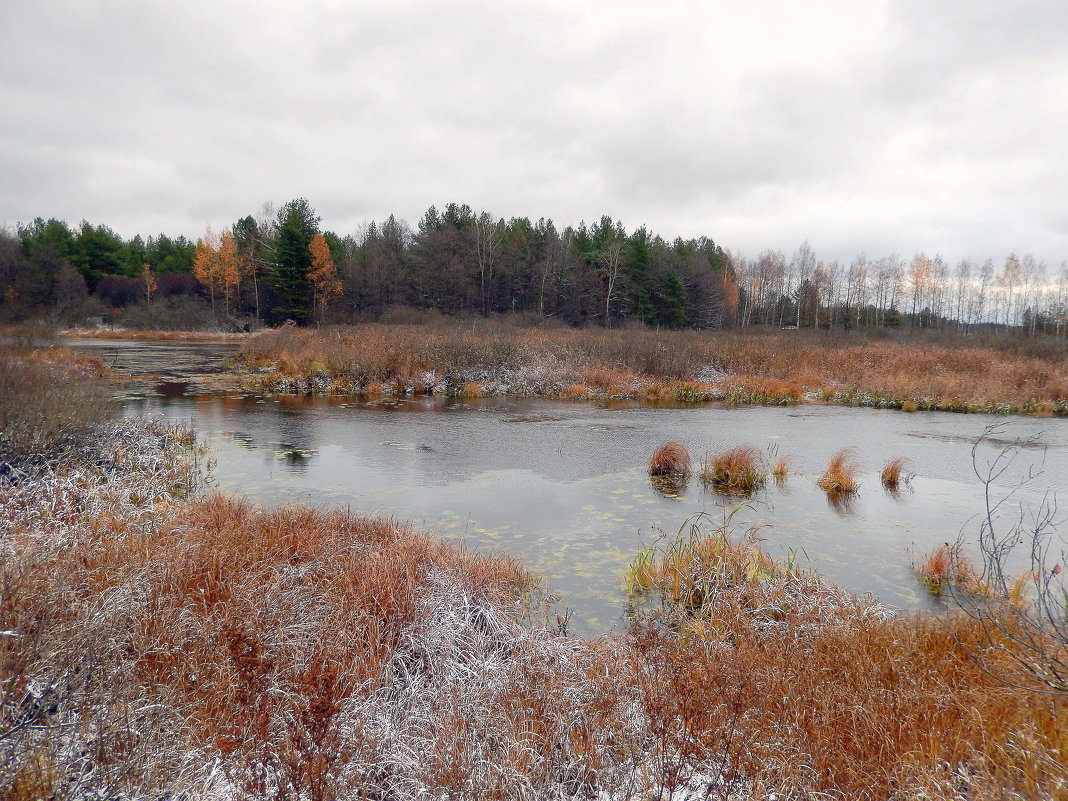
{"points": [[755, 367], [738, 470], [670, 459], [781, 468], [946, 567], [840, 476], [893, 473], [748, 653]]}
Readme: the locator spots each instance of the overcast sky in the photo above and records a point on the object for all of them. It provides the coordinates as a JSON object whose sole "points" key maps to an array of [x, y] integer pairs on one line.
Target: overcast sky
{"points": [[936, 125]]}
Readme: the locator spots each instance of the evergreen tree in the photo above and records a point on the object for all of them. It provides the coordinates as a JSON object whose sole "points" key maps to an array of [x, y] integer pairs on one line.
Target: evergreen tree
{"points": [[640, 275], [671, 301], [297, 226]]}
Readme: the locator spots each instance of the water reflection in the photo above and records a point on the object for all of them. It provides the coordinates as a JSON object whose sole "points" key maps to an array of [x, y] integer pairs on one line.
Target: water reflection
{"points": [[565, 486], [843, 504], [672, 487]]}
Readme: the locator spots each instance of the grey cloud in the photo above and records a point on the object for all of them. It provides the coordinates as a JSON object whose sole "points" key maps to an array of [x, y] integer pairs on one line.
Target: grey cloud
{"points": [[885, 127]]}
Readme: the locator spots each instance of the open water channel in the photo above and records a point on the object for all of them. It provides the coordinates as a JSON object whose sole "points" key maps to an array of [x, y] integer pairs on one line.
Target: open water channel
{"points": [[563, 485]]}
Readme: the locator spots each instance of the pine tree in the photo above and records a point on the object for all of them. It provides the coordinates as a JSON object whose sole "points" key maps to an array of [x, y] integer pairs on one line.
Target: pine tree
{"points": [[297, 226]]}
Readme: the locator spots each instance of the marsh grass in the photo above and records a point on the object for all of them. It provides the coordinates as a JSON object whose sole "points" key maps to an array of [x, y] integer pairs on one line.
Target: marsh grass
{"points": [[840, 477], [780, 470], [50, 402], [756, 367], [739, 470], [670, 459], [893, 474], [781, 657], [156, 645], [293, 652], [946, 568]]}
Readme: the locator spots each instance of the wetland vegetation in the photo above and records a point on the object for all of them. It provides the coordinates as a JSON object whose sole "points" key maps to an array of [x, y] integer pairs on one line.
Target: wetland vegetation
{"points": [[781, 367], [159, 638]]}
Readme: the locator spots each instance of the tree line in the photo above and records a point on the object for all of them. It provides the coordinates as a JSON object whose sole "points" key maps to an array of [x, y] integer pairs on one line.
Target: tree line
{"points": [[280, 265], [921, 292]]}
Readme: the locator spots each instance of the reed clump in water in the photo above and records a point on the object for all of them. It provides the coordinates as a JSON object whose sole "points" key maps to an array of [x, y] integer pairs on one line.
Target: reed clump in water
{"points": [[840, 476], [893, 473], [670, 459], [738, 470], [781, 469], [947, 568]]}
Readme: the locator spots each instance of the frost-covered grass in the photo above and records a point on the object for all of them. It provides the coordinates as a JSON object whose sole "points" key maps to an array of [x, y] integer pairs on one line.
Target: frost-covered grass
{"points": [[230, 651], [155, 643]]}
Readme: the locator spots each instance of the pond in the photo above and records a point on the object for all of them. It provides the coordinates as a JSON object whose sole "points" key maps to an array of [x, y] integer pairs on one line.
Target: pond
{"points": [[563, 485]]}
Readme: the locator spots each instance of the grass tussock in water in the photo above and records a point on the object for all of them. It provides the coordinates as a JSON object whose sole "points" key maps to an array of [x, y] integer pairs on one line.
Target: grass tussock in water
{"points": [[670, 459], [781, 469], [780, 367], [840, 477], [947, 569], [893, 473], [739, 470]]}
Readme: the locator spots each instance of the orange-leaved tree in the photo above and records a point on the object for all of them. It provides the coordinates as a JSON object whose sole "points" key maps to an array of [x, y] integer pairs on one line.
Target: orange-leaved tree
{"points": [[322, 274], [206, 263], [228, 261]]}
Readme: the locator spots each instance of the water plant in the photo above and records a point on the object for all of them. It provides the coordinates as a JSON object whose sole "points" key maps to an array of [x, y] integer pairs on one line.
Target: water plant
{"points": [[840, 476], [781, 469], [893, 473], [736, 470], [670, 459], [947, 568]]}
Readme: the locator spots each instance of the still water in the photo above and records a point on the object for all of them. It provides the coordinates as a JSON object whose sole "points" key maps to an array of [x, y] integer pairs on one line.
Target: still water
{"points": [[563, 485]]}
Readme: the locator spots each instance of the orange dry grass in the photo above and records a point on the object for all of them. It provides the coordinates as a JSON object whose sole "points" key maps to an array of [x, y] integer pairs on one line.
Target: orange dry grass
{"points": [[261, 633], [739, 469], [893, 472], [670, 459], [866, 709], [760, 367], [813, 691], [221, 583], [946, 567], [781, 469], [472, 389], [840, 476]]}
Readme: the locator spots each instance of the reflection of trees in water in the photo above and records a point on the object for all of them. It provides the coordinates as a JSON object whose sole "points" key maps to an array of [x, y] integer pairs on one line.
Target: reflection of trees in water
{"points": [[295, 457], [289, 431]]}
